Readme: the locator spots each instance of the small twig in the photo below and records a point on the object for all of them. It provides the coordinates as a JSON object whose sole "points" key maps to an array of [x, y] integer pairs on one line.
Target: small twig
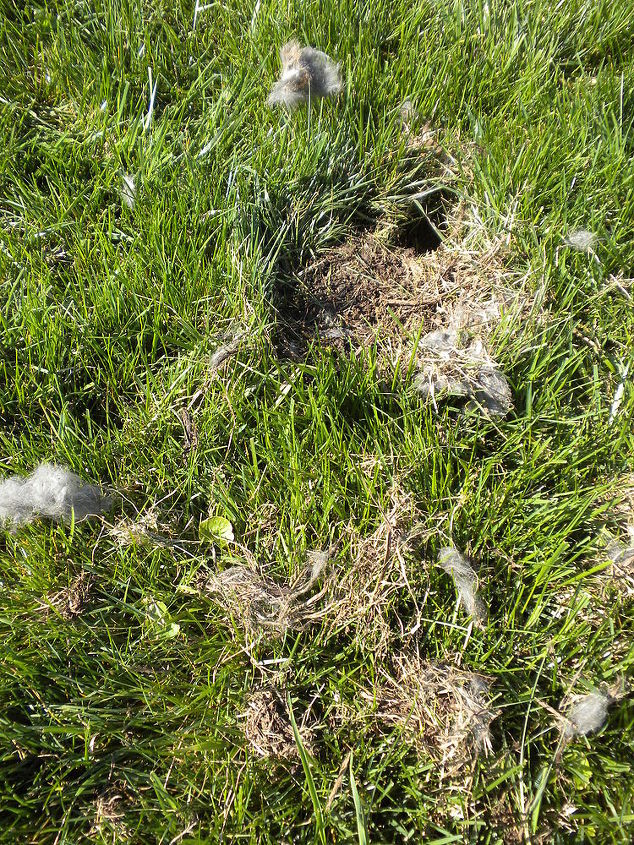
{"points": [[190, 430], [338, 782]]}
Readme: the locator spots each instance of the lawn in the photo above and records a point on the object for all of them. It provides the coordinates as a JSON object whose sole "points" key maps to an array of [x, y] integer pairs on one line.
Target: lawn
{"points": [[336, 595]]}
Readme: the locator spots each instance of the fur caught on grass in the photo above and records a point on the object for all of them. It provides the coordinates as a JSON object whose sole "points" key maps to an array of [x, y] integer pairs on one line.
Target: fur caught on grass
{"points": [[50, 491], [268, 730], [307, 74], [453, 365], [223, 353], [260, 603], [620, 550], [128, 190], [466, 581], [586, 714], [582, 240], [444, 710], [621, 557]]}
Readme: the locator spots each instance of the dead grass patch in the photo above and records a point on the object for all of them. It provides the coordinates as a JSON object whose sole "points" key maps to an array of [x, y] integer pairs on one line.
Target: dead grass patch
{"points": [[446, 711], [71, 600], [110, 809], [268, 730], [359, 291], [360, 598]]}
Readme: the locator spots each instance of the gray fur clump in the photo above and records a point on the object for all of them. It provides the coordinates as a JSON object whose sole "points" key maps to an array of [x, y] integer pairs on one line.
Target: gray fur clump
{"points": [[466, 581], [587, 714], [452, 368], [493, 392], [307, 74], [582, 240], [50, 491]]}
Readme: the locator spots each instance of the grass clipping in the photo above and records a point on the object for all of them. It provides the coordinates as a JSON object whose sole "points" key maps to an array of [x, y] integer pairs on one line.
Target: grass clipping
{"points": [[466, 582], [452, 364]]}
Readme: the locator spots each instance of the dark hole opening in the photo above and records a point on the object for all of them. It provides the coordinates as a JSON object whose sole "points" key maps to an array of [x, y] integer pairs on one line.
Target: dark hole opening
{"points": [[422, 233]]}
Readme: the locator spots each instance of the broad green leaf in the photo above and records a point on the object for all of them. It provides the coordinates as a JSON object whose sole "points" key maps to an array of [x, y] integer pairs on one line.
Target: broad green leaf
{"points": [[158, 622], [216, 529]]}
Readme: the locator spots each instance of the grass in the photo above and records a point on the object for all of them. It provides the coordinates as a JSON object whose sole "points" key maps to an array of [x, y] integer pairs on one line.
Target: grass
{"points": [[120, 727]]}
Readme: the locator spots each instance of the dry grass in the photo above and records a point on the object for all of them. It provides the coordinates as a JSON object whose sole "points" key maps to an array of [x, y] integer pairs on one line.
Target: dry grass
{"points": [[446, 712], [109, 813], [71, 600], [360, 597], [145, 528], [268, 730], [357, 597]]}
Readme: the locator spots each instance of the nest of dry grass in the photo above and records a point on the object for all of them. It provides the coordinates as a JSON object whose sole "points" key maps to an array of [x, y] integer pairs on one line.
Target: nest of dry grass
{"points": [[268, 730], [444, 710], [70, 601], [373, 290], [357, 597], [259, 603]]}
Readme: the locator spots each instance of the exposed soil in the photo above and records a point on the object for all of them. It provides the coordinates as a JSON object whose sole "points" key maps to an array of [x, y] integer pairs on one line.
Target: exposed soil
{"points": [[360, 292]]}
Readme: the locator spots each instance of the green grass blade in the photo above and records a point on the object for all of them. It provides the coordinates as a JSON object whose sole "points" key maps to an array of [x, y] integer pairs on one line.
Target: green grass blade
{"points": [[362, 831], [320, 829]]}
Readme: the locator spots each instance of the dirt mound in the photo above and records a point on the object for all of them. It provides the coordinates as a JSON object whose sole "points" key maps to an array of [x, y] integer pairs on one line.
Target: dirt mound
{"points": [[370, 290], [358, 292]]}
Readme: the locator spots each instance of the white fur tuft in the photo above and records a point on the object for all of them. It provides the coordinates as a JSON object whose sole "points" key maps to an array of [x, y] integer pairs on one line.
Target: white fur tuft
{"points": [[50, 491], [581, 240], [306, 74], [587, 715]]}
